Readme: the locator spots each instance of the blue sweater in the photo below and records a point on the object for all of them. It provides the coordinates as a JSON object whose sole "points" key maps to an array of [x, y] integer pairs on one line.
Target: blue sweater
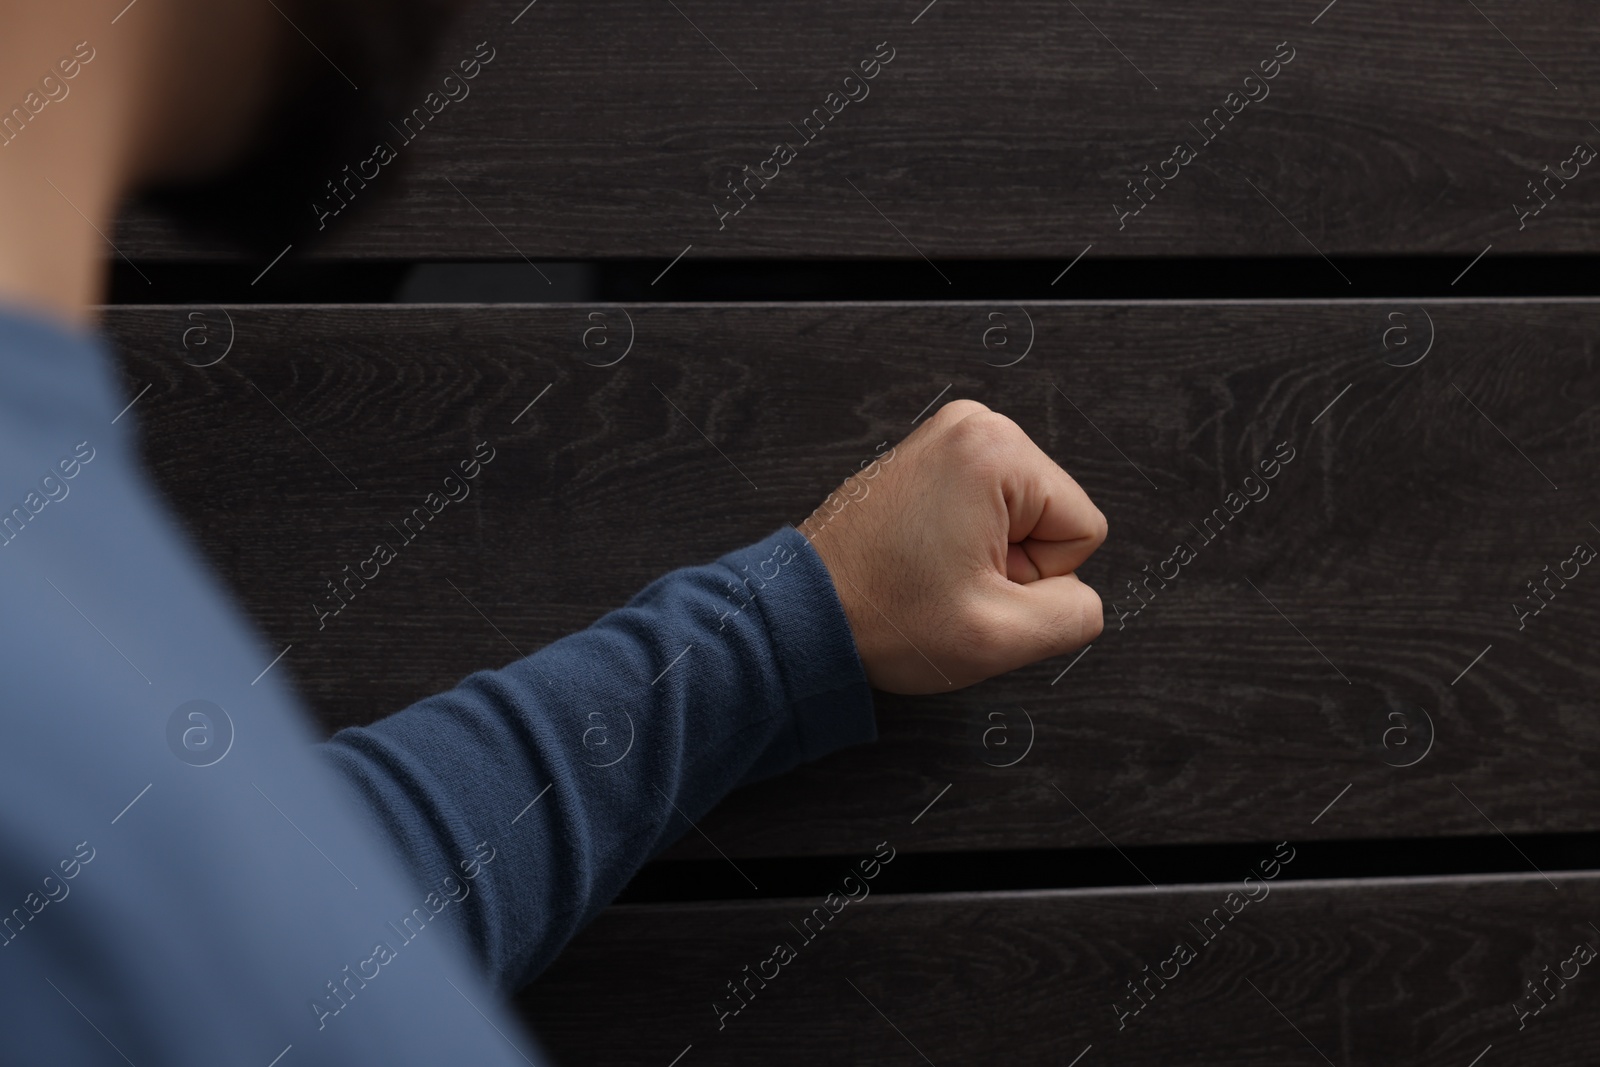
{"points": [[187, 877]]}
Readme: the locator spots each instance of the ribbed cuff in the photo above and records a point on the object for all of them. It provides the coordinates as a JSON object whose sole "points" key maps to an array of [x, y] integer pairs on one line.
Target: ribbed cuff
{"points": [[827, 685]]}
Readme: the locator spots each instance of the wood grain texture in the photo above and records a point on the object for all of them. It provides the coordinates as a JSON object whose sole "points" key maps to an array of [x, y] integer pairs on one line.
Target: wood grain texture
{"points": [[1351, 973], [1385, 560], [1008, 130]]}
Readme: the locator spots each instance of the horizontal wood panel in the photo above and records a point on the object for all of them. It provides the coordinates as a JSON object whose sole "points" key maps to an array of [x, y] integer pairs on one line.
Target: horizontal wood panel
{"points": [[1351, 973], [1384, 563], [997, 131]]}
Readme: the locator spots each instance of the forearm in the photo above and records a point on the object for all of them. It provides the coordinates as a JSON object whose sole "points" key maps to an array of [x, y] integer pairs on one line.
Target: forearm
{"points": [[579, 763]]}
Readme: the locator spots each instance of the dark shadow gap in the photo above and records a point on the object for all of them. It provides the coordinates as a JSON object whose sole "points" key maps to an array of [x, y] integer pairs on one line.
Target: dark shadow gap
{"points": [[624, 281], [1076, 868]]}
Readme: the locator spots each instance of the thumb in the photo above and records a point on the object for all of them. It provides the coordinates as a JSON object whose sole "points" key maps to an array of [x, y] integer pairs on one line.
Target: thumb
{"points": [[1044, 618]]}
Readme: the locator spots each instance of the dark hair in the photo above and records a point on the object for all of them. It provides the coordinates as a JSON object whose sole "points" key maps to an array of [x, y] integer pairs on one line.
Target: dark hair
{"points": [[317, 122]]}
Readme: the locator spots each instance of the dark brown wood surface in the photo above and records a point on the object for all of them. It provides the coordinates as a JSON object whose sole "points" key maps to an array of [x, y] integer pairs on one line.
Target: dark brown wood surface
{"points": [[1376, 973], [1250, 693], [610, 129]]}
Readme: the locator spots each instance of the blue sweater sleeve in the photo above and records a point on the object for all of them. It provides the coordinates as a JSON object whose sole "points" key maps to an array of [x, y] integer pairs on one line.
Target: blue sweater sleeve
{"points": [[575, 765]]}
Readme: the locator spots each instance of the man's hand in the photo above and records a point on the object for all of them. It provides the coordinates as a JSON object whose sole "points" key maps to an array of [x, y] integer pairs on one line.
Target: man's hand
{"points": [[955, 561]]}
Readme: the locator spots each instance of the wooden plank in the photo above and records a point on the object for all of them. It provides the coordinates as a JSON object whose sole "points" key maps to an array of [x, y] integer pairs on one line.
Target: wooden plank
{"points": [[996, 131], [1258, 686], [1343, 972]]}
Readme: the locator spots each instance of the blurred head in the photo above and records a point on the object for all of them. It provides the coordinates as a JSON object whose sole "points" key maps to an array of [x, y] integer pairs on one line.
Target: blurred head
{"points": [[266, 100]]}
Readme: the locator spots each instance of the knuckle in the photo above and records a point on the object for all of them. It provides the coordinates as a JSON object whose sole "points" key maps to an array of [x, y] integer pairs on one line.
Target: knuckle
{"points": [[956, 410], [985, 434]]}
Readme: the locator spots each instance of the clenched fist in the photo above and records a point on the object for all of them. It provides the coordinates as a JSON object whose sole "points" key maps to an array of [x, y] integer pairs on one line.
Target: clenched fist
{"points": [[955, 561]]}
